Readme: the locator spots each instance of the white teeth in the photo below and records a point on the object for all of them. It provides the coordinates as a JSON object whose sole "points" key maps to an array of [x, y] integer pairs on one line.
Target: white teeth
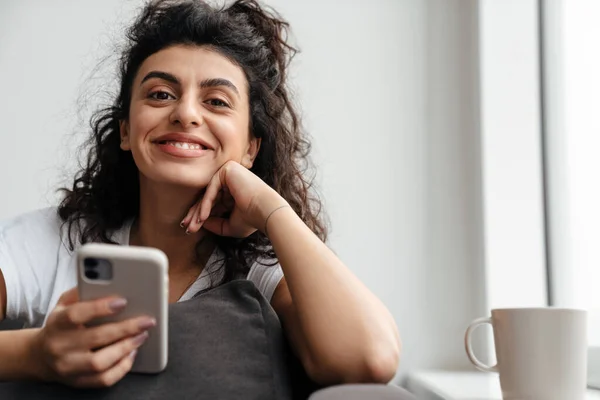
{"points": [[186, 145]]}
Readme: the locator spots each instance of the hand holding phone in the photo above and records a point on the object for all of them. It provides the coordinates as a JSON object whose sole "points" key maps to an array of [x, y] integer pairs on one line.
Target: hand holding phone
{"points": [[140, 276], [69, 352]]}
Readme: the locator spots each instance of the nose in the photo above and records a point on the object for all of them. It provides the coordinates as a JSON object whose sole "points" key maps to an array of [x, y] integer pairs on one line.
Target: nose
{"points": [[187, 113]]}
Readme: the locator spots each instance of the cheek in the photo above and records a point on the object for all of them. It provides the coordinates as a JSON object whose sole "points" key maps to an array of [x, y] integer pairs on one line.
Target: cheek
{"points": [[232, 134], [144, 119]]}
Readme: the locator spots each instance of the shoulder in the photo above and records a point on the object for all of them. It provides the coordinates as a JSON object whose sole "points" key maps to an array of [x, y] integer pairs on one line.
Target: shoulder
{"points": [[32, 254], [266, 275], [32, 235], [32, 226]]}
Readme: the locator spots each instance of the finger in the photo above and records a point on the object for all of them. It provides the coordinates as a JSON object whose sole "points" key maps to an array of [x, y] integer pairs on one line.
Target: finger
{"points": [[224, 227], [217, 209], [107, 334], [96, 362], [69, 297], [210, 197], [193, 226], [101, 360], [188, 217], [217, 225], [110, 376], [85, 311], [208, 200]]}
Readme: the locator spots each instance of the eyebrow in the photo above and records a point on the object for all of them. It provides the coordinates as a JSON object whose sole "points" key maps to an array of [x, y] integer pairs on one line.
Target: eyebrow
{"points": [[206, 83]]}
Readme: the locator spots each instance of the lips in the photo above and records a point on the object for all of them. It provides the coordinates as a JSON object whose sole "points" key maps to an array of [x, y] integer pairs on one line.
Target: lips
{"points": [[177, 137]]}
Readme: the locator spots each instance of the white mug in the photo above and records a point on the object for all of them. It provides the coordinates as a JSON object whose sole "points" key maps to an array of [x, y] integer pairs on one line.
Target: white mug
{"points": [[541, 352]]}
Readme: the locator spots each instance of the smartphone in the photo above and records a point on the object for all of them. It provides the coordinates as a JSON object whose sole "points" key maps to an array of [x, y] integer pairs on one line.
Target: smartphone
{"points": [[138, 274]]}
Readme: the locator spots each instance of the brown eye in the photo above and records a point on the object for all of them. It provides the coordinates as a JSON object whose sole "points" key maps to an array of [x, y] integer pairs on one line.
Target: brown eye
{"points": [[217, 103], [160, 95]]}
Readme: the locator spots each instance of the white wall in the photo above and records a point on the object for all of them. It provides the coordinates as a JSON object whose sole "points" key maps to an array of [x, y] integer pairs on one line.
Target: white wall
{"points": [[389, 90], [47, 53]]}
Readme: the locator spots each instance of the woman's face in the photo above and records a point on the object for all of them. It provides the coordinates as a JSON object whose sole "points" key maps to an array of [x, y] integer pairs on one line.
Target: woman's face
{"points": [[189, 115]]}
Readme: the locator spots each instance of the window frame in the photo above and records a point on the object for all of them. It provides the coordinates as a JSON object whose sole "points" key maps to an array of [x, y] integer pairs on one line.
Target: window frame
{"points": [[560, 282]]}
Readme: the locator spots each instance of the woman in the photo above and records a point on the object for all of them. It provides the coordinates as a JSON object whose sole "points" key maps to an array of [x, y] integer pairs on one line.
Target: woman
{"points": [[201, 156]]}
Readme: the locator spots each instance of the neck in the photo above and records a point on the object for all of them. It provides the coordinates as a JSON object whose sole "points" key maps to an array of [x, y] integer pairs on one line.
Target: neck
{"points": [[162, 208]]}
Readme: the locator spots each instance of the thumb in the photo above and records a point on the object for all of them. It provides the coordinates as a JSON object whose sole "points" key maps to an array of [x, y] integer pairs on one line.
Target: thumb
{"points": [[69, 297], [217, 225]]}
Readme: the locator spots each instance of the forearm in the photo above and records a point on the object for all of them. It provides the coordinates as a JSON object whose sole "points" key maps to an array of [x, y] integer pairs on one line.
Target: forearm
{"points": [[16, 356], [346, 329]]}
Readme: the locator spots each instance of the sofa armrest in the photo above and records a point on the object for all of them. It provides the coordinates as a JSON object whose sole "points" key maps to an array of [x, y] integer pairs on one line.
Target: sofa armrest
{"points": [[362, 391]]}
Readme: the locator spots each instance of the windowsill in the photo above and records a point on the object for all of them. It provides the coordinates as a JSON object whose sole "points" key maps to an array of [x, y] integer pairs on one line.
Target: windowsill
{"points": [[448, 385]]}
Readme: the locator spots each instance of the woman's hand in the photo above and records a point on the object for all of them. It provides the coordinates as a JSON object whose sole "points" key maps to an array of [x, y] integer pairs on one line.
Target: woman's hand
{"points": [[68, 352], [237, 191]]}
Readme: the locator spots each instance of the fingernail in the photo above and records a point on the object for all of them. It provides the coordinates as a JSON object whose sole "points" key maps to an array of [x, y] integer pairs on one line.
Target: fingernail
{"points": [[182, 224], [117, 304], [187, 232], [133, 354], [139, 339], [147, 323]]}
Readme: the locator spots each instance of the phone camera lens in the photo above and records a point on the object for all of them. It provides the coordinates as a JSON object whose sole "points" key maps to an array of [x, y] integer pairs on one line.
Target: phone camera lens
{"points": [[90, 262], [91, 274], [97, 269]]}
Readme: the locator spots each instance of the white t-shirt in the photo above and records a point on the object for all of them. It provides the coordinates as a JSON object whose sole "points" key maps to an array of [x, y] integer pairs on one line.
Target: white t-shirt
{"points": [[38, 266]]}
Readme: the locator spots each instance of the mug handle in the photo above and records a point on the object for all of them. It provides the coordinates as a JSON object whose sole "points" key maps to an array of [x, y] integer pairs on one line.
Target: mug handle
{"points": [[481, 366]]}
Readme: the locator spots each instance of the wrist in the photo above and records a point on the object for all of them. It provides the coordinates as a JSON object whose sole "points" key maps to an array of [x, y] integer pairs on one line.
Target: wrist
{"points": [[32, 356], [17, 354], [265, 229], [266, 205]]}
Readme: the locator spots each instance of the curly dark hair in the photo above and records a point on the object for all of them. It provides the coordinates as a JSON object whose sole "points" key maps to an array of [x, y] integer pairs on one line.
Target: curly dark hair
{"points": [[105, 192]]}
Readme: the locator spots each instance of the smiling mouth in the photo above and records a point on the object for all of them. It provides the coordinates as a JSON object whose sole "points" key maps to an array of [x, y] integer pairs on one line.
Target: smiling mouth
{"points": [[183, 145]]}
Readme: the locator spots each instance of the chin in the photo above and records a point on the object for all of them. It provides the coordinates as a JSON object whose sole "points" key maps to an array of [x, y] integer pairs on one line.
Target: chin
{"points": [[184, 177]]}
